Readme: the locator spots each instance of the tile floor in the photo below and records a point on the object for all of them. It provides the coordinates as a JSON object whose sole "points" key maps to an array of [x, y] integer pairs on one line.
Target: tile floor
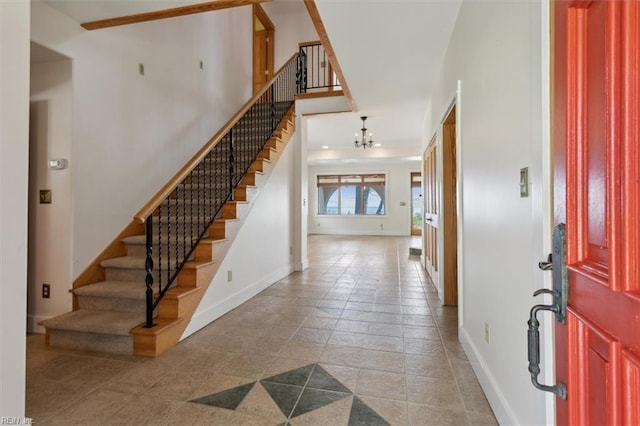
{"points": [[359, 338]]}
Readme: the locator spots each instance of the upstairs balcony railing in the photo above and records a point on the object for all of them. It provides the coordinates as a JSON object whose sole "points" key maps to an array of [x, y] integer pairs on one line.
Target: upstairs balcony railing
{"points": [[180, 215], [316, 73]]}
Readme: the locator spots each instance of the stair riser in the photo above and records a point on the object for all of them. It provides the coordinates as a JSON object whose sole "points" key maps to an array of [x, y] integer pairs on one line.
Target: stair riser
{"points": [[85, 341], [127, 274], [113, 303]]}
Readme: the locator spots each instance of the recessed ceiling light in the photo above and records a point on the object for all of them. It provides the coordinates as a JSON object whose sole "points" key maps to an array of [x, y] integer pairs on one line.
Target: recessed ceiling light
{"points": [[325, 146], [378, 144]]}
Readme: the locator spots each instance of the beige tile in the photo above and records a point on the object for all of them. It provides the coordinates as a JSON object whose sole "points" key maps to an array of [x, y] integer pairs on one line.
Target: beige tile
{"points": [[425, 415], [247, 365], [95, 408], [391, 309], [394, 412], [385, 318], [381, 384], [482, 419], [238, 418], [267, 346], [383, 343], [473, 397], [334, 414], [341, 355], [175, 385], [312, 335], [281, 332], [417, 332], [321, 323], [46, 397], [428, 366], [356, 315], [259, 403], [135, 380], [281, 365], [424, 347], [302, 350], [435, 392], [198, 414], [346, 338], [393, 330], [352, 326], [419, 320], [384, 361], [144, 410]]}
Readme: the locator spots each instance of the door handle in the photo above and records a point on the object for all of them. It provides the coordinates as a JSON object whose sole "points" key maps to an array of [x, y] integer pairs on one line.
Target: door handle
{"points": [[533, 335], [556, 263], [546, 265]]}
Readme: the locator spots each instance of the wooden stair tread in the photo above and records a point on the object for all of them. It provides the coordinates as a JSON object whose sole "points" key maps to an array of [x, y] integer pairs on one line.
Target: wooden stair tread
{"points": [[161, 326], [102, 322]]}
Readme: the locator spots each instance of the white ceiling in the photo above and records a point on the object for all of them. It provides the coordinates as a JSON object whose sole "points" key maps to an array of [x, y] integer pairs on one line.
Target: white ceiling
{"points": [[390, 52]]}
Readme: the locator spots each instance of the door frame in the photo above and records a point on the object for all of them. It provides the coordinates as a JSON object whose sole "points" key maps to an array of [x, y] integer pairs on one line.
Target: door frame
{"points": [[260, 14], [449, 207]]}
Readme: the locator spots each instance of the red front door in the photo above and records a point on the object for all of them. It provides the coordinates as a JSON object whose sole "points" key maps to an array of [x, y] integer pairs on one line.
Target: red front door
{"points": [[596, 107]]}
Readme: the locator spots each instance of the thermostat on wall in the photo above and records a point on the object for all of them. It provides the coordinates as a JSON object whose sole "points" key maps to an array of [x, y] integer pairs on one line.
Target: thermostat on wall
{"points": [[57, 163]]}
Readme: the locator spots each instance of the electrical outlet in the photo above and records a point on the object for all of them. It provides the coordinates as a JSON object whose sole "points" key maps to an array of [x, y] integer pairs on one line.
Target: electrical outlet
{"points": [[141, 69], [201, 65], [381, 227], [229, 276], [46, 291], [487, 333]]}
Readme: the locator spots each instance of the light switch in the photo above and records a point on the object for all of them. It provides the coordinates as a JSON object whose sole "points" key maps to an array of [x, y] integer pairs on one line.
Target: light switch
{"points": [[524, 182], [57, 163]]}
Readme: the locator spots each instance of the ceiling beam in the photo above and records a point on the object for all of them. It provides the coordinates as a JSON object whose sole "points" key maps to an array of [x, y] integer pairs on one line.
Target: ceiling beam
{"points": [[168, 13], [333, 60]]}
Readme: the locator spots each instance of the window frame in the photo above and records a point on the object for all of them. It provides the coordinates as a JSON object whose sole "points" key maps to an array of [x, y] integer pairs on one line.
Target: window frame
{"points": [[382, 180]]}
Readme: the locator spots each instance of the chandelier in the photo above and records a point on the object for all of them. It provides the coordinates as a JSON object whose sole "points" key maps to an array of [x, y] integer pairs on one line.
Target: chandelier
{"points": [[364, 143]]}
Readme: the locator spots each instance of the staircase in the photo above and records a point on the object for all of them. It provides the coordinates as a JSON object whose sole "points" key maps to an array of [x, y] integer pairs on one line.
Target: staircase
{"points": [[111, 308]]}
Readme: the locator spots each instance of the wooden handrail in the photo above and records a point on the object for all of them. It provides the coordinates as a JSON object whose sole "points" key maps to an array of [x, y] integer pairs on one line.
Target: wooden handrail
{"points": [[168, 188], [309, 43]]}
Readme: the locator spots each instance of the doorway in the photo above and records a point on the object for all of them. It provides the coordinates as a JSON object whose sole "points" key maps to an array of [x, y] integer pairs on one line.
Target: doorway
{"points": [[416, 203], [50, 232], [263, 48]]}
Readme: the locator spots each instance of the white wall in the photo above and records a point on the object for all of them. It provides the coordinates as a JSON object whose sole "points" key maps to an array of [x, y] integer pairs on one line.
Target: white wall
{"points": [[50, 225], [14, 163], [293, 26], [131, 133], [261, 253], [396, 221], [495, 51]]}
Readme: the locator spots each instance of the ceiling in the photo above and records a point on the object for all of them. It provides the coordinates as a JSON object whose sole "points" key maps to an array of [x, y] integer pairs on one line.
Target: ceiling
{"points": [[390, 52]]}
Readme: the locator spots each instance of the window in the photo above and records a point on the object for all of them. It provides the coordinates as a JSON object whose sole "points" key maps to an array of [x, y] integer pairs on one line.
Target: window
{"points": [[351, 194]]}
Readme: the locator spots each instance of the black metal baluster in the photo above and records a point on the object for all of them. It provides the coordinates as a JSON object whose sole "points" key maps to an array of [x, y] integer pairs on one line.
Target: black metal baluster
{"points": [[148, 265], [231, 164]]}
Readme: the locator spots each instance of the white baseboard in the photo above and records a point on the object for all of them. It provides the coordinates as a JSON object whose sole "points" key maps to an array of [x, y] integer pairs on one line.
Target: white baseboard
{"points": [[32, 324], [501, 408], [206, 316]]}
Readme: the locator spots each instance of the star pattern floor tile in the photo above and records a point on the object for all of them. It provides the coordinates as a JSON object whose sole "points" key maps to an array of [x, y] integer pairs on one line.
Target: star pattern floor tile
{"points": [[229, 399], [298, 392]]}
